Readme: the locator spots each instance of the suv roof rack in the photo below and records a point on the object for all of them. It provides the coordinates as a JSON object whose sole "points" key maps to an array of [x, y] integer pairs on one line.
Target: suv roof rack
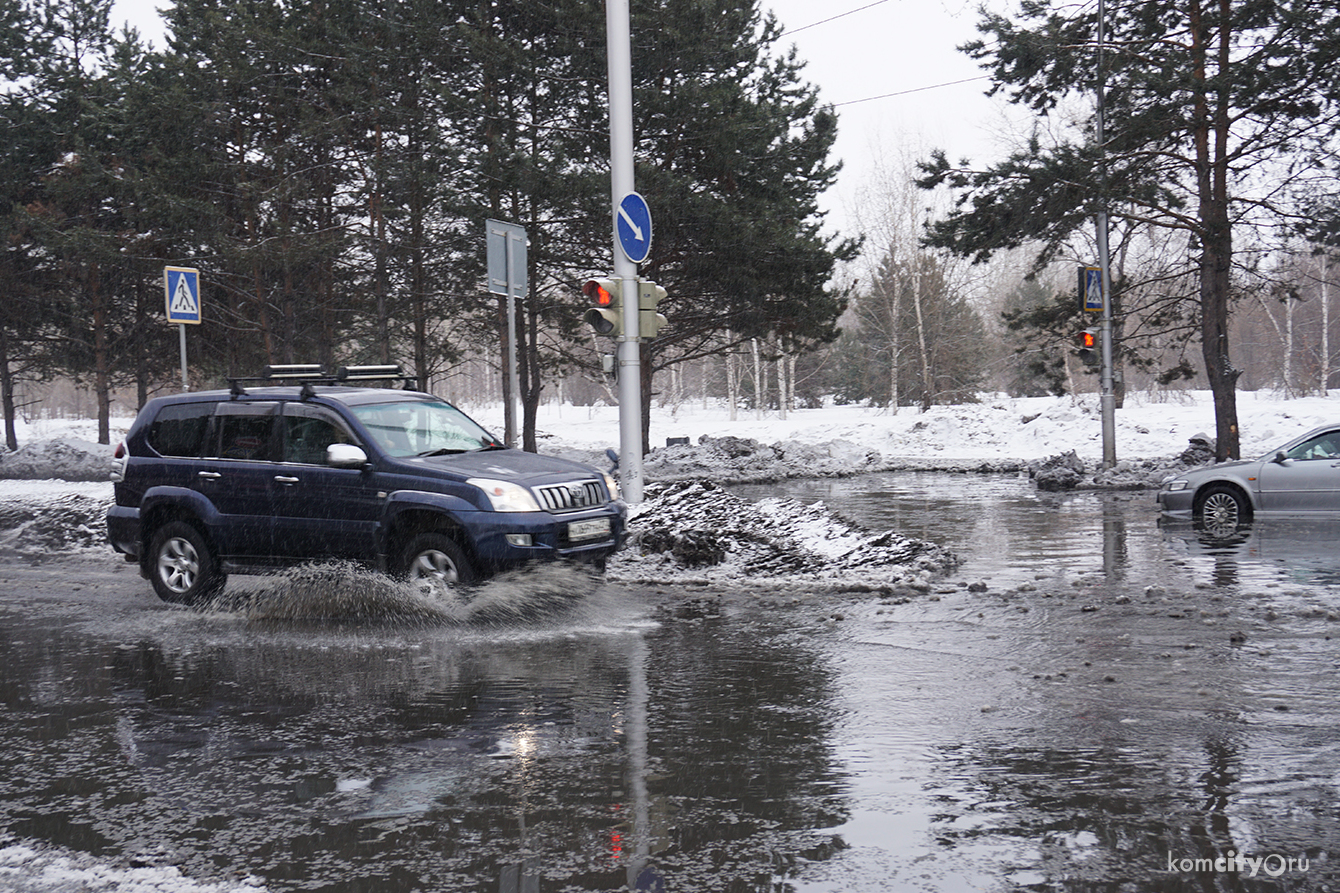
{"points": [[310, 374]]}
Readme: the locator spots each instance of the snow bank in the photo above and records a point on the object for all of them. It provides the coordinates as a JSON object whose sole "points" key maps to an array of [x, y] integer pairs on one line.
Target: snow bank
{"points": [[996, 434], [698, 532], [62, 458], [50, 518]]}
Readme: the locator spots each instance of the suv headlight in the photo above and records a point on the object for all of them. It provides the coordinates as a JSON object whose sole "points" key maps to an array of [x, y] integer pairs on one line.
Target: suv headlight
{"points": [[612, 486], [505, 496]]}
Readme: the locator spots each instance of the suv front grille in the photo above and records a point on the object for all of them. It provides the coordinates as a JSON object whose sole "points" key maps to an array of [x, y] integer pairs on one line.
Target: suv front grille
{"points": [[571, 496]]}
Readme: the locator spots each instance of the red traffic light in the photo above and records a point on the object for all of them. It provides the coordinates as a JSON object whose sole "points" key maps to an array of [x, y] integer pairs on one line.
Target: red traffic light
{"points": [[606, 316], [599, 294], [1087, 341]]}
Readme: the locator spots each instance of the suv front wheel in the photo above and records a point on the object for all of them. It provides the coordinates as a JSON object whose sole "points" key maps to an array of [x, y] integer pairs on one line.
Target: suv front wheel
{"points": [[181, 565], [434, 559]]}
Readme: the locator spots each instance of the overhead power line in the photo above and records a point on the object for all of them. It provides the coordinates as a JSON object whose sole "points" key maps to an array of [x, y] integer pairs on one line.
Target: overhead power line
{"points": [[832, 18], [980, 77]]}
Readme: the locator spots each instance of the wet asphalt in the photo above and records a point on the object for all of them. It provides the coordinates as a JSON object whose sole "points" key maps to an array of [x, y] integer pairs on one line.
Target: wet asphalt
{"points": [[1091, 700]]}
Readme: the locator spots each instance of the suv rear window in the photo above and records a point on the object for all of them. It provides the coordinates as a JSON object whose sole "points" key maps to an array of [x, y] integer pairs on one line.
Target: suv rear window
{"points": [[179, 429]]}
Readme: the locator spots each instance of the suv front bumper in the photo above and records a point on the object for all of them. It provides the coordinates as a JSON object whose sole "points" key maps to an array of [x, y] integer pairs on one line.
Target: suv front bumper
{"points": [[505, 540]]}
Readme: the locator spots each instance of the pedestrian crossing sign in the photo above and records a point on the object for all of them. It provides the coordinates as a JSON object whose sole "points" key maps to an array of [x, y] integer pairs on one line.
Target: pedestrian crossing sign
{"points": [[182, 285]]}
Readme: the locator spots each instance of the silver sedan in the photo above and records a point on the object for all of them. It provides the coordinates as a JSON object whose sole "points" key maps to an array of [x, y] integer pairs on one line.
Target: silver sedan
{"points": [[1299, 477]]}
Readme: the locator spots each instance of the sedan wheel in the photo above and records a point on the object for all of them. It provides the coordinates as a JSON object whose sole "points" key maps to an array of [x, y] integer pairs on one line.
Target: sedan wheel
{"points": [[1222, 510]]}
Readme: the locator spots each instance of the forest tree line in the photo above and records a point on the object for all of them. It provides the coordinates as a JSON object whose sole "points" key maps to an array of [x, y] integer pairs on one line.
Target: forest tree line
{"points": [[329, 167]]}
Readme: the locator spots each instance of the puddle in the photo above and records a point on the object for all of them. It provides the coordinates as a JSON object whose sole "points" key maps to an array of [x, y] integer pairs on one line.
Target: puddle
{"points": [[1116, 709]]}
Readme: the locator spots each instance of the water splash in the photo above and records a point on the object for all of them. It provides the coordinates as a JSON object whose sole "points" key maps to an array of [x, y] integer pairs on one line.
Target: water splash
{"points": [[346, 592]]}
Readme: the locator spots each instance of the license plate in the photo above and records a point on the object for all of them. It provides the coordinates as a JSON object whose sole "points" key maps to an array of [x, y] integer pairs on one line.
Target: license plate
{"points": [[597, 528]]}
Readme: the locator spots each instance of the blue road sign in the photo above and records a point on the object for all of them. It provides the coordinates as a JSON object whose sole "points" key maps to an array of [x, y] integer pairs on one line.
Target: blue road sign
{"points": [[1091, 289], [632, 220], [182, 287]]}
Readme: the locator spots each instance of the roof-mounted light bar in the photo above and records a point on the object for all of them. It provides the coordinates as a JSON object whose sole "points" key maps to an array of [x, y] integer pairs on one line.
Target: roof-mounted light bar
{"points": [[295, 370], [309, 374], [368, 373]]}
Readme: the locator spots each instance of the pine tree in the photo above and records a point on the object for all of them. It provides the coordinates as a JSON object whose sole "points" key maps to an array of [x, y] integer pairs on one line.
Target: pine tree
{"points": [[733, 152], [77, 213], [1213, 107]]}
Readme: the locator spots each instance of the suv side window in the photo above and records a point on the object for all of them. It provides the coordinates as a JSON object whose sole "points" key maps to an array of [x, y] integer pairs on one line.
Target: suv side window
{"points": [[179, 429], [244, 431], [306, 432]]}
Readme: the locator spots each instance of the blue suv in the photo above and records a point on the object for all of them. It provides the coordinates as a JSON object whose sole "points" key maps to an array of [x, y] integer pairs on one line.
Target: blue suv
{"points": [[313, 466]]}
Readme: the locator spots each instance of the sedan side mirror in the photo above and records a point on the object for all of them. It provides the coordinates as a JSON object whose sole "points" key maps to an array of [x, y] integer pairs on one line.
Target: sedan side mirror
{"points": [[345, 455], [1280, 458]]}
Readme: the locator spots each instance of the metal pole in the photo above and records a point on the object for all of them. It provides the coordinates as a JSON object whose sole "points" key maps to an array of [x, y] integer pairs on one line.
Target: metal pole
{"points": [[1109, 396], [181, 331], [513, 380], [620, 57]]}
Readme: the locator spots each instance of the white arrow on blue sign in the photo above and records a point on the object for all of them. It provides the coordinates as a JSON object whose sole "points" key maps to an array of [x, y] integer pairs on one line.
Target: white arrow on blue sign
{"points": [[632, 221], [182, 285]]}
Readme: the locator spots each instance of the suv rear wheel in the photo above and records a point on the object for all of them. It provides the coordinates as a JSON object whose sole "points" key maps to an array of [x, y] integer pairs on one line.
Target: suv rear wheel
{"points": [[434, 559], [182, 567]]}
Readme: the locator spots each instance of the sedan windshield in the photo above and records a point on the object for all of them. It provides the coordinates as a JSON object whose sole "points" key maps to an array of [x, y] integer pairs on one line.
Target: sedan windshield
{"points": [[423, 428]]}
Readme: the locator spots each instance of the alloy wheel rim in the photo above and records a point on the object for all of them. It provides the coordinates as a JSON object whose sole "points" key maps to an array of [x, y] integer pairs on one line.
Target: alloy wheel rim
{"points": [[1220, 509], [433, 567], [178, 564]]}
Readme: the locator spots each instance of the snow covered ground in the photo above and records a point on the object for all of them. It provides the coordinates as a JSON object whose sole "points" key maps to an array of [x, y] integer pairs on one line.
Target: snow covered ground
{"points": [[54, 490], [998, 432], [54, 487]]}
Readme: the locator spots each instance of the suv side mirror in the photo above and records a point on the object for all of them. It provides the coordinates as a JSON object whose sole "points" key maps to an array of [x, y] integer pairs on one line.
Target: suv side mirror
{"points": [[345, 455]]}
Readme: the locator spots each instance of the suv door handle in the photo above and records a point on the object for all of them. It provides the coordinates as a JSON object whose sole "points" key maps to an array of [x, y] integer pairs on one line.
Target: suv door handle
{"points": [[208, 475], [285, 479]]}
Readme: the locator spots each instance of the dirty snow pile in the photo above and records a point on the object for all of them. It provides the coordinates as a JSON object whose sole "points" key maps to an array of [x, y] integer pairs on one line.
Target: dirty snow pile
{"points": [[39, 519], [698, 532], [59, 458]]}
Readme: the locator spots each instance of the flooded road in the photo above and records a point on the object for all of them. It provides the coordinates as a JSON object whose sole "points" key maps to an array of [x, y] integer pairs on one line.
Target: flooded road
{"points": [[1090, 701]]}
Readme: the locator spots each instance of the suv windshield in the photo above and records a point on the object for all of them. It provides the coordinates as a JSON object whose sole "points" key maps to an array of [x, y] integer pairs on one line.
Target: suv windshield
{"points": [[422, 428]]}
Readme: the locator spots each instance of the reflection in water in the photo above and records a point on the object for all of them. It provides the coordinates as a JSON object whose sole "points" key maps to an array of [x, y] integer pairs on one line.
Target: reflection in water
{"points": [[1124, 705], [594, 746], [1296, 550]]}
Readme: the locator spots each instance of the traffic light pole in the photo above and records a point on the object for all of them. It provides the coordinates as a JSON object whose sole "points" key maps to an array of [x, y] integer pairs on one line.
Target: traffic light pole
{"points": [[619, 52], [1109, 395]]}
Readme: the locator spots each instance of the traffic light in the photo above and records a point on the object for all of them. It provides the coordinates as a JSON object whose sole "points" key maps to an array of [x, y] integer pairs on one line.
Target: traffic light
{"points": [[649, 322], [604, 316], [1087, 342]]}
